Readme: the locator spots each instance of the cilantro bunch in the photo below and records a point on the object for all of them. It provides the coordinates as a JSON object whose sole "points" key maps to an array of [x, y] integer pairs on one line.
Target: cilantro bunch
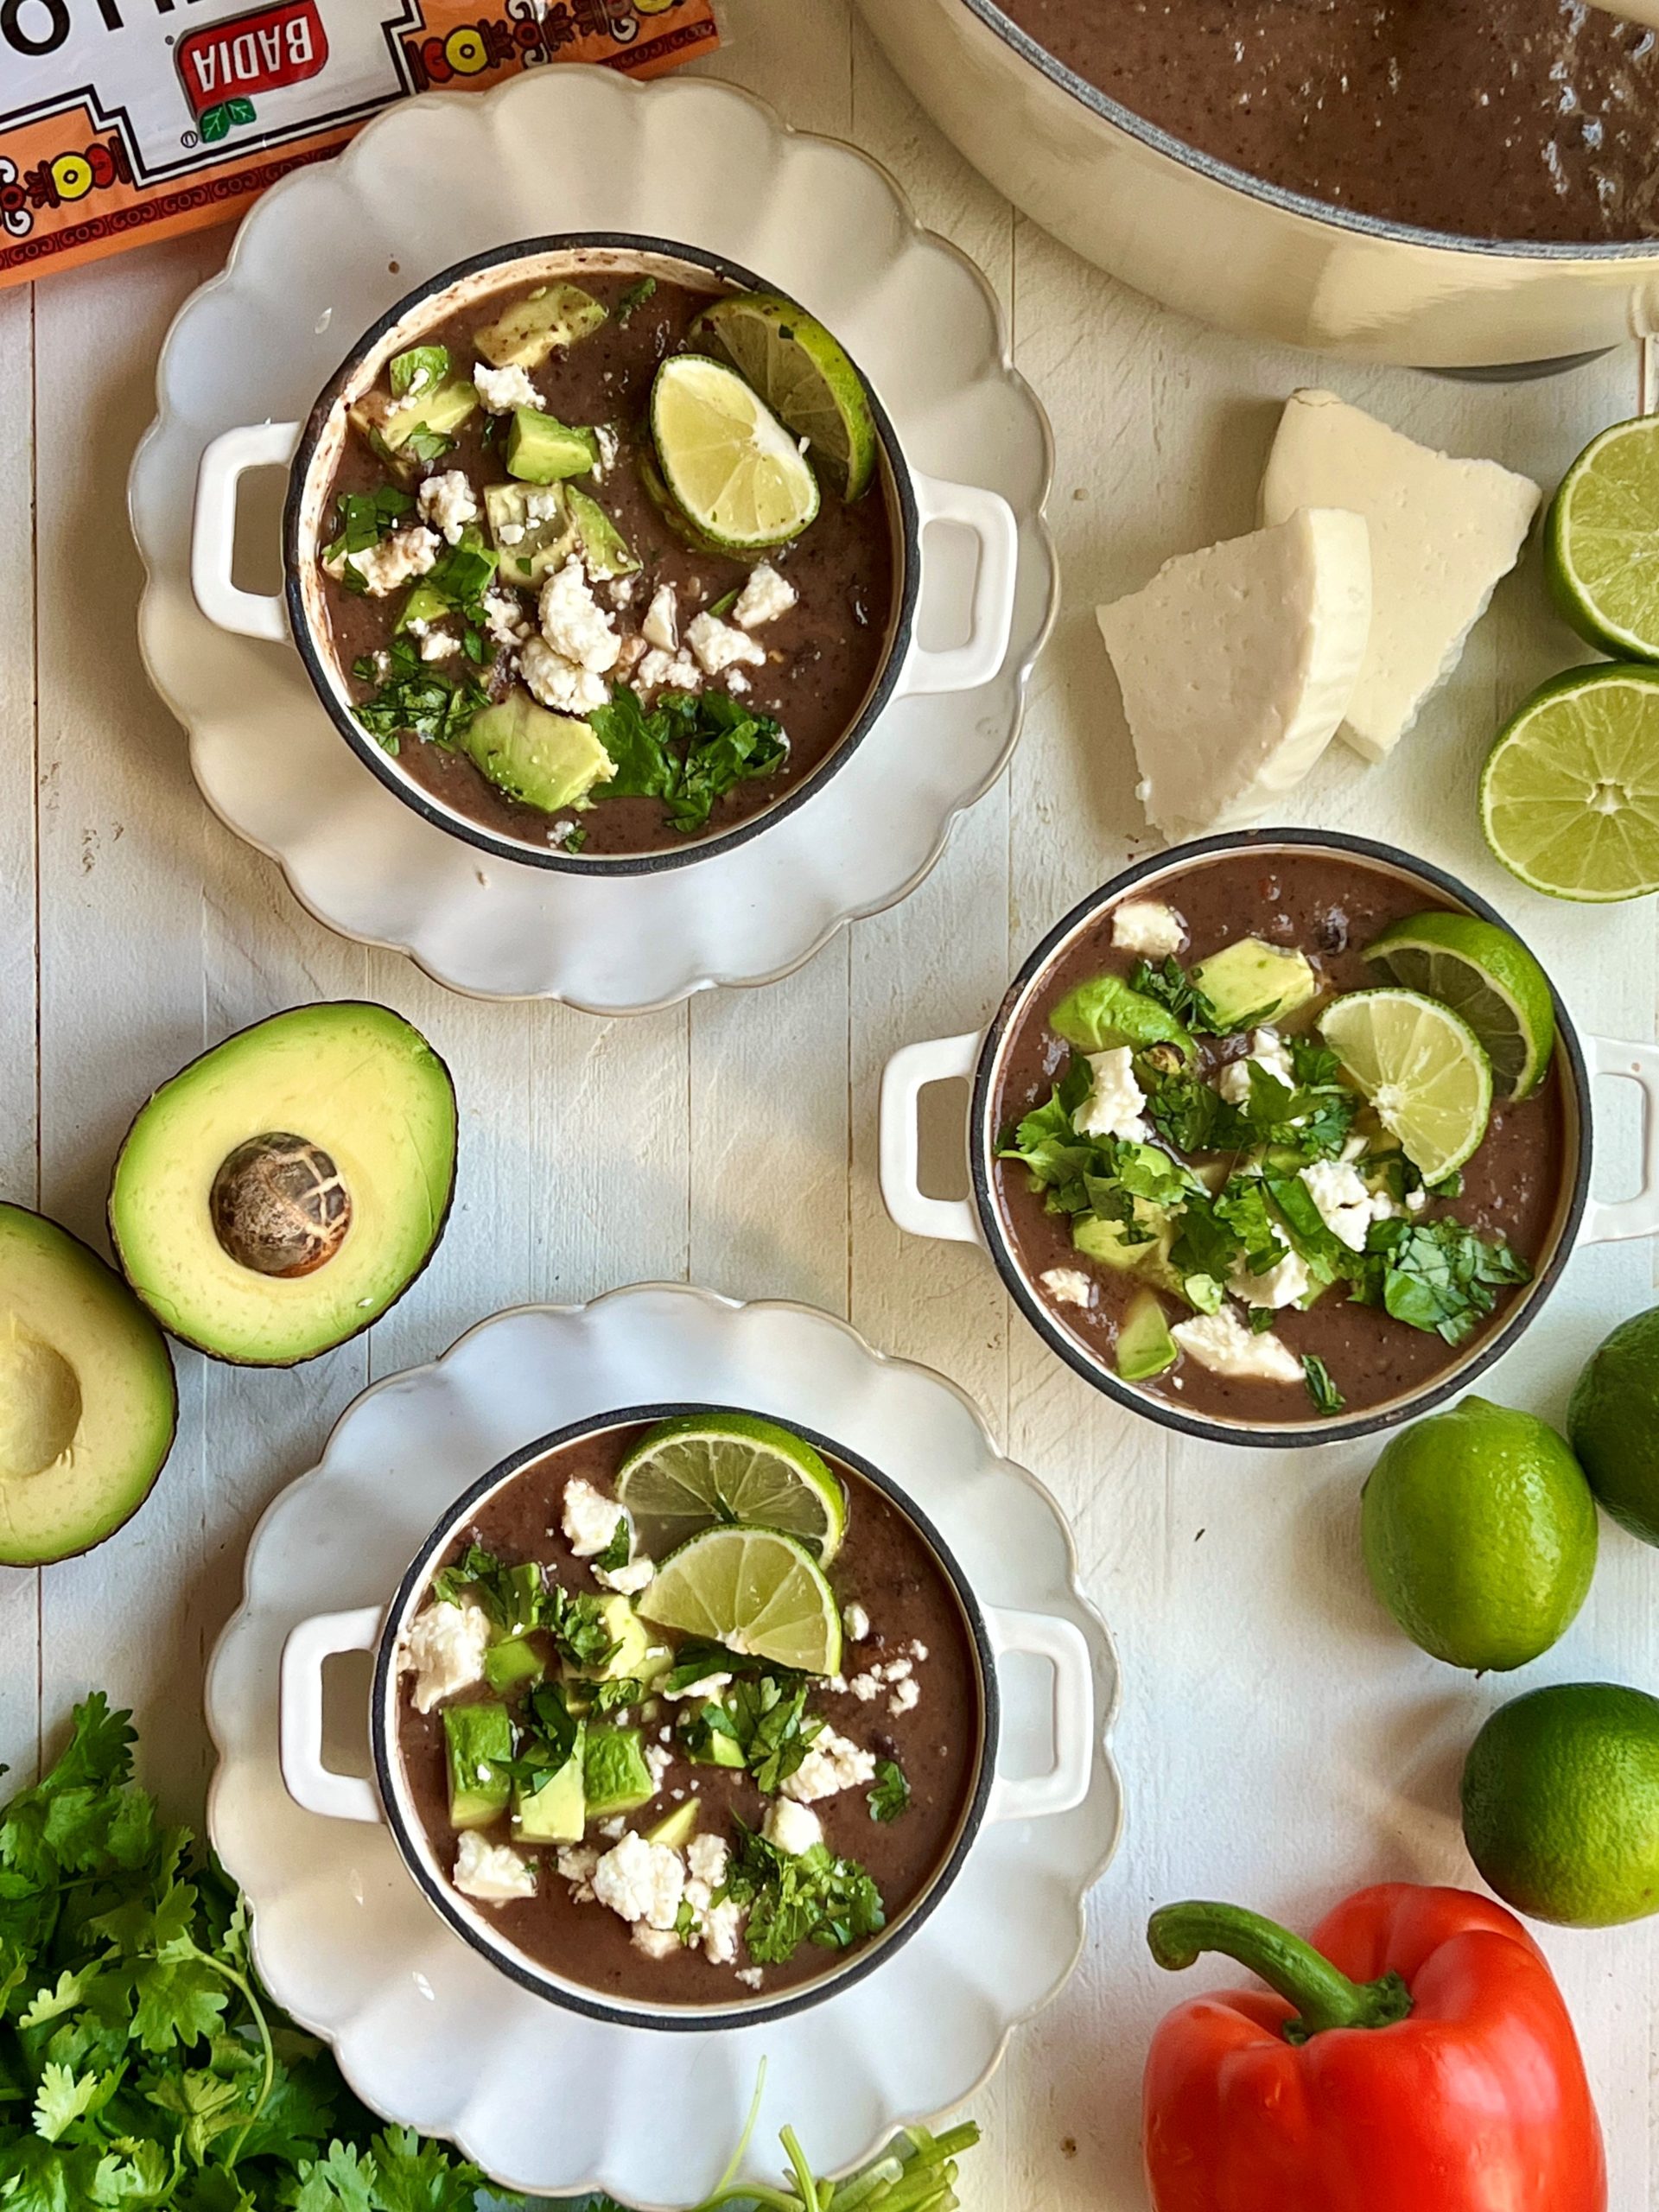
{"points": [[688, 751], [143, 2069]]}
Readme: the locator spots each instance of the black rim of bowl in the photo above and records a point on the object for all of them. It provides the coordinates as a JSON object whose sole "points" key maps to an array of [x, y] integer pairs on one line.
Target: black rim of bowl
{"points": [[897, 493], [982, 1140], [740, 2013], [1278, 196]]}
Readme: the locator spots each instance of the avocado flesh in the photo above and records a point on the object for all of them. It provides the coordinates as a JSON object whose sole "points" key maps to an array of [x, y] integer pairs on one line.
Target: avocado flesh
{"points": [[514, 1661], [539, 757], [552, 315], [542, 450], [540, 547], [1252, 982], [1107, 1242], [629, 1634], [558, 1812], [676, 1829], [722, 1750], [87, 1402], [389, 426], [478, 1742], [1145, 1346], [356, 1080], [614, 1774], [605, 552]]}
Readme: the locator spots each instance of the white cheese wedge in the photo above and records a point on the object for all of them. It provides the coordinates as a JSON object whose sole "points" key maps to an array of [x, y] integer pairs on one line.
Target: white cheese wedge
{"points": [[1443, 533], [1237, 664]]}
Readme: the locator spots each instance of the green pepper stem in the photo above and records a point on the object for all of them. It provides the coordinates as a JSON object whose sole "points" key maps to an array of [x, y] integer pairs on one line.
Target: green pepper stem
{"points": [[1323, 1997]]}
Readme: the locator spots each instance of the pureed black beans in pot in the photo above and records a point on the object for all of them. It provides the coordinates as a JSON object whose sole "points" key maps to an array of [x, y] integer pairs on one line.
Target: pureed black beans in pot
{"points": [[818, 660], [1329, 909], [908, 1694]]}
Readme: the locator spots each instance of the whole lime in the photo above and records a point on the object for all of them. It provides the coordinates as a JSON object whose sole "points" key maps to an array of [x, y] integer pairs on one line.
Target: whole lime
{"points": [[1613, 1421], [1561, 1803], [1479, 1532]]}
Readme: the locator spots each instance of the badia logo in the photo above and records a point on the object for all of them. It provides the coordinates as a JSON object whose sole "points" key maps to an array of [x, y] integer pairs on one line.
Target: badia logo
{"points": [[225, 65]]}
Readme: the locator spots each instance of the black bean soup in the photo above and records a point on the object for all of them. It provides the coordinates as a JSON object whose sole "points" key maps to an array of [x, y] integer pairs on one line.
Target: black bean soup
{"points": [[450, 531], [864, 1805], [1507, 1195]]}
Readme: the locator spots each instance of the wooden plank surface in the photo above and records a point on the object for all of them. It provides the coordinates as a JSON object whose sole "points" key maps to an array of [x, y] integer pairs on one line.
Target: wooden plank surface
{"points": [[1279, 1743]]}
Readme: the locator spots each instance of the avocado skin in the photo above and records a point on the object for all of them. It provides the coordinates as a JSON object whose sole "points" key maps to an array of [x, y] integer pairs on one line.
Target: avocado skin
{"points": [[95, 1263], [210, 1351]]}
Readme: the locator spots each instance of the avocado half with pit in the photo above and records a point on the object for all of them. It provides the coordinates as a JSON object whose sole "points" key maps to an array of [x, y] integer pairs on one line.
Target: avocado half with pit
{"points": [[87, 1402], [286, 1188]]}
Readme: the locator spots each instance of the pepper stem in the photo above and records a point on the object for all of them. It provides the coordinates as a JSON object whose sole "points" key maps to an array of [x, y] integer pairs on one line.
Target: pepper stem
{"points": [[1323, 1997]]}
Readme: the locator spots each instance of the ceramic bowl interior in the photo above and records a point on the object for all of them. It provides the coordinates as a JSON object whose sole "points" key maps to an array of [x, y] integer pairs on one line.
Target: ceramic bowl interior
{"points": [[475, 1927], [1147, 877], [306, 528]]}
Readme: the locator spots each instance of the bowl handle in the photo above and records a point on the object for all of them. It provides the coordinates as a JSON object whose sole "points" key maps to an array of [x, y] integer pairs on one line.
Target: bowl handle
{"points": [[907, 1074], [1033, 1798], [1604, 1224], [989, 519], [310, 1783], [212, 532]]}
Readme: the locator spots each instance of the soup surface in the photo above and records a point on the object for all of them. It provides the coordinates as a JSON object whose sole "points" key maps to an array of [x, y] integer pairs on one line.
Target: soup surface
{"points": [[479, 609], [849, 1790], [1486, 118], [1374, 1233]]}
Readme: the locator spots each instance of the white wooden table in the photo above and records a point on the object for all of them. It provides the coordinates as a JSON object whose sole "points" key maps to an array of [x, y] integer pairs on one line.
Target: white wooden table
{"points": [[1279, 1742]]}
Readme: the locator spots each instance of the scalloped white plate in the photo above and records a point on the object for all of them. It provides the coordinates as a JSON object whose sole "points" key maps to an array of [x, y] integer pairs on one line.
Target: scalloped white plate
{"points": [[425, 2030], [325, 252]]}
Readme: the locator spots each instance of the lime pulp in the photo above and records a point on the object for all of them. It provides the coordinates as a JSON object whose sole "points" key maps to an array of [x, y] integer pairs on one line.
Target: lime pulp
{"points": [[1485, 975], [756, 1590], [1569, 796], [730, 465], [1423, 1069], [697, 1470], [805, 377], [1601, 542]]}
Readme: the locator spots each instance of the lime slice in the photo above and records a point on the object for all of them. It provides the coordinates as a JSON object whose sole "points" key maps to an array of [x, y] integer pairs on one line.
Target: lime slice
{"points": [[1422, 1067], [754, 1590], [726, 459], [1601, 541], [1569, 796], [805, 375], [699, 1469], [1488, 977]]}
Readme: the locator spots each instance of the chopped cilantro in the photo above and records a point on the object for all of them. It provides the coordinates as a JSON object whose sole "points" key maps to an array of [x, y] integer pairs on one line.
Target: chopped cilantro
{"points": [[1261, 1318], [616, 1696], [545, 1736], [577, 1626], [418, 370], [1438, 1276], [423, 444], [688, 751], [415, 698], [891, 1796], [1327, 1398], [512, 1596], [763, 1712], [463, 573], [620, 1550], [633, 299], [1170, 984], [364, 517], [575, 839], [809, 1897]]}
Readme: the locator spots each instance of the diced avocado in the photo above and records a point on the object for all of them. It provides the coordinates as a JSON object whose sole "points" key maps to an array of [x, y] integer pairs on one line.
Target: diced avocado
{"points": [[1252, 982], [714, 1746], [389, 424], [604, 551], [615, 1772], [479, 1738], [552, 315], [541, 450], [515, 1661], [1104, 1013], [1107, 1240], [676, 1829], [630, 1636], [558, 1812], [545, 760], [425, 603], [1145, 1346], [529, 550]]}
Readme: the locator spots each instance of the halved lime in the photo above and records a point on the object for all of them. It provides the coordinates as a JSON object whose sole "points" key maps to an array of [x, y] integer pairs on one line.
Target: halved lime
{"points": [[697, 1470], [1569, 796], [1488, 977], [1601, 541], [805, 375], [1422, 1067], [754, 1590], [726, 458]]}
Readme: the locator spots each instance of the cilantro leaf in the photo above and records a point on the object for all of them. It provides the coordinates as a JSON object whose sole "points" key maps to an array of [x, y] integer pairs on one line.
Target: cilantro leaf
{"points": [[547, 1733], [1439, 1276], [1170, 984], [1327, 1398], [418, 370], [619, 1551], [515, 1598], [794, 1899], [633, 299], [412, 2175], [364, 517], [62, 2097], [341, 2181], [415, 698], [891, 1796]]}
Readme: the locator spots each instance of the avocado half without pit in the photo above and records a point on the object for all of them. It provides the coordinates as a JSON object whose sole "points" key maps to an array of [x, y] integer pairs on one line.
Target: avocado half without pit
{"points": [[87, 1402], [286, 1188]]}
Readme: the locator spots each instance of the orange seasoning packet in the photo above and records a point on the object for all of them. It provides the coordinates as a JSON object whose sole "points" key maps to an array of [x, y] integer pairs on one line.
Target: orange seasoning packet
{"points": [[126, 120]]}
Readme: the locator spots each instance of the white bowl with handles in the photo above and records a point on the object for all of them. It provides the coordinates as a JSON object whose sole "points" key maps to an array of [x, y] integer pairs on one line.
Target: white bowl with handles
{"points": [[977, 1058]]}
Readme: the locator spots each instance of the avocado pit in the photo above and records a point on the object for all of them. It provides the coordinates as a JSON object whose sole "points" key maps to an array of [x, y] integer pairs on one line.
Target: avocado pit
{"points": [[40, 1403], [279, 1205]]}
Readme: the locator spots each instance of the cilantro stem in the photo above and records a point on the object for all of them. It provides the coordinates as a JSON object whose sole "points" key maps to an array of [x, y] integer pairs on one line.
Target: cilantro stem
{"points": [[268, 2046]]}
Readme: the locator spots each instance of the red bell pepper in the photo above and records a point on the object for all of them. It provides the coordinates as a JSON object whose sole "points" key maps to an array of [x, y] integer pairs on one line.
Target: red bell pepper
{"points": [[1415, 2056]]}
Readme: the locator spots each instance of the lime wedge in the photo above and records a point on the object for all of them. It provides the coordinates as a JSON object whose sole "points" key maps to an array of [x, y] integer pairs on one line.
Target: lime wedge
{"points": [[754, 1590], [728, 462], [1489, 977], [1422, 1067], [1601, 541], [1569, 796], [697, 1470], [805, 375]]}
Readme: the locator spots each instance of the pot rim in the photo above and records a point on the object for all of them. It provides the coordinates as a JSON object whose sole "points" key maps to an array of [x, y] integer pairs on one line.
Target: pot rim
{"points": [[1279, 197], [1213, 1430], [896, 492], [541, 1981]]}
